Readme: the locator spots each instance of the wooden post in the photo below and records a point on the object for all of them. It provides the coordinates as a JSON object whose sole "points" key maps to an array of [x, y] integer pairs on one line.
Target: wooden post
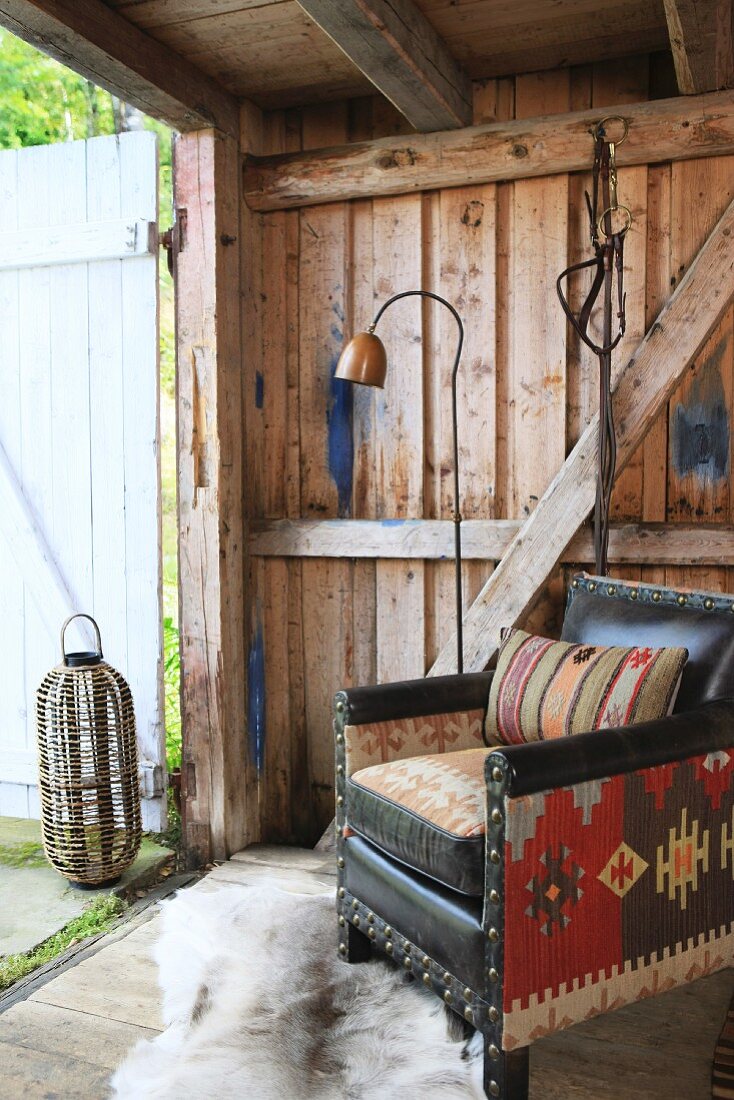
{"points": [[216, 774]]}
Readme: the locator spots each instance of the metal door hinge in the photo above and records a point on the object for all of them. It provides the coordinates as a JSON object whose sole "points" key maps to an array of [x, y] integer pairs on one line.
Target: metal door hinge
{"points": [[151, 779]]}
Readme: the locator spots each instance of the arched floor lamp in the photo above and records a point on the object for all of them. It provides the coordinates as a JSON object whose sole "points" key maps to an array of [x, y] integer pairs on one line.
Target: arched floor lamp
{"points": [[364, 361]]}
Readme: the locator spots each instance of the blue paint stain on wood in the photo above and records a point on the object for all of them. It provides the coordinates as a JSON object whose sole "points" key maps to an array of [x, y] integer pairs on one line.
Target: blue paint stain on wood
{"points": [[339, 419], [259, 389], [700, 428], [392, 522], [256, 699]]}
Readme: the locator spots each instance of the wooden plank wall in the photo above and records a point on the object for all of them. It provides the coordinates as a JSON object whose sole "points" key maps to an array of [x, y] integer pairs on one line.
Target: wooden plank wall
{"points": [[317, 449]]}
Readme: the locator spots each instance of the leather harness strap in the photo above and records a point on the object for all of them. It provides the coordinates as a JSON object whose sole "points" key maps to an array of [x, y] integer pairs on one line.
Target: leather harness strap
{"points": [[608, 258]]}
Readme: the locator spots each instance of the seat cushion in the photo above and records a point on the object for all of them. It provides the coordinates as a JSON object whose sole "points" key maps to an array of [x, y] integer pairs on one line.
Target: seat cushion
{"points": [[427, 812], [544, 689]]}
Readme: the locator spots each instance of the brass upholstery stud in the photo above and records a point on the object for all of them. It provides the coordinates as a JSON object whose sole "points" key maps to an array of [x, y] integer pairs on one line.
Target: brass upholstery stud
{"points": [[493, 1051], [612, 589], [339, 800], [340, 738], [339, 707], [732, 607], [426, 979], [494, 1014], [355, 920], [592, 586], [469, 1014], [342, 922], [342, 949], [496, 774], [682, 601], [426, 961], [355, 905], [340, 863], [494, 856], [494, 1089], [493, 935], [493, 974], [496, 816], [371, 933], [448, 998], [467, 993], [657, 596], [388, 947], [339, 769], [708, 603], [371, 918], [494, 897], [388, 931], [341, 891], [633, 593], [407, 962], [406, 947], [574, 583], [447, 977]]}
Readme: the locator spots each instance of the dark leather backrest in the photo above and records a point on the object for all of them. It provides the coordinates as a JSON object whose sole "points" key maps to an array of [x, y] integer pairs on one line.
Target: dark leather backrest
{"points": [[602, 611]]}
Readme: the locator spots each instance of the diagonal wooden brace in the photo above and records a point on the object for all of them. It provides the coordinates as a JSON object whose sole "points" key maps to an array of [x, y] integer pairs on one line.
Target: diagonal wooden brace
{"points": [[644, 386]]}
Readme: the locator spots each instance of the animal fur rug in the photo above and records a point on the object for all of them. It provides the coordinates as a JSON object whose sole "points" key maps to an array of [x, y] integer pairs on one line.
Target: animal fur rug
{"points": [[257, 1004]]}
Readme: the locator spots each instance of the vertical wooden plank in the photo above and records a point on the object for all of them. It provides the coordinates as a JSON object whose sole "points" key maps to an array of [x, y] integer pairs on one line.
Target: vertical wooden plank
{"points": [[107, 403], [71, 512], [13, 715], [399, 435], [657, 292], [627, 82], [141, 410], [327, 463], [459, 263], [537, 360], [219, 772], [35, 460], [699, 451]]}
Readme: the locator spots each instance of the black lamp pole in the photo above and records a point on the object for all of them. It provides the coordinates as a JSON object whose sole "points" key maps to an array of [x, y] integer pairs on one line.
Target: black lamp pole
{"points": [[455, 426]]}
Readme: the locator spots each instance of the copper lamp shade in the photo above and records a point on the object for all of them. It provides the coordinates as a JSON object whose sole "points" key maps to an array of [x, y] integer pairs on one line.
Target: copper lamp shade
{"points": [[364, 360]]}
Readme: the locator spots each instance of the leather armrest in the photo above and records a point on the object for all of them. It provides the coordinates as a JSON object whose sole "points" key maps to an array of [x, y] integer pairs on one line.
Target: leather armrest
{"points": [[543, 765], [414, 698]]}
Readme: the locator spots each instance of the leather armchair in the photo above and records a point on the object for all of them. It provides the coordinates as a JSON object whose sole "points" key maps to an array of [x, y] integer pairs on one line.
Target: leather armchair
{"points": [[605, 869]]}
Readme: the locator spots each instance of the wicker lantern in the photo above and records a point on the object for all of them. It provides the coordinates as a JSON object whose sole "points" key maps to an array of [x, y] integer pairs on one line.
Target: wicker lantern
{"points": [[88, 767]]}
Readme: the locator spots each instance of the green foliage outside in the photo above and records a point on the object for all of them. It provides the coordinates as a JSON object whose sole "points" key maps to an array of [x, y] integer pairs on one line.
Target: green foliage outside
{"points": [[97, 917], [44, 102]]}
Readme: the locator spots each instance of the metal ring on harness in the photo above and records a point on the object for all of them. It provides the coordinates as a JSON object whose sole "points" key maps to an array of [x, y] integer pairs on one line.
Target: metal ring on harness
{"points": [[600, 128], [613, 210]]}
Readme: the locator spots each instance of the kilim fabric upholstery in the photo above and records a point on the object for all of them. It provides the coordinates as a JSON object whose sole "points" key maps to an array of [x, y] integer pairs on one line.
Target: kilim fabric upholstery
{"points": [[427, 811], [608, 857], [543, 689], [399, 739]]}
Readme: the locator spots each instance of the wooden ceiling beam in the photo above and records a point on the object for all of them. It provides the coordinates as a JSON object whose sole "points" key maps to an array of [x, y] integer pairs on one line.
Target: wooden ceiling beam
{"points": [[645, 384], [398, 50], [700, 34], [681, 128], [89, 37]]}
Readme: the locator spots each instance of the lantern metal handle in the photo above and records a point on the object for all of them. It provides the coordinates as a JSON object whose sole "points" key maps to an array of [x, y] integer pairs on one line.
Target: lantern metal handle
{"points": [[97, 635]]}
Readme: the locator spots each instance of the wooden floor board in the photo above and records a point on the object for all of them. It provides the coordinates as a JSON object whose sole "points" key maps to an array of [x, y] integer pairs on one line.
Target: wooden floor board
{"points": [[64, 1040]]}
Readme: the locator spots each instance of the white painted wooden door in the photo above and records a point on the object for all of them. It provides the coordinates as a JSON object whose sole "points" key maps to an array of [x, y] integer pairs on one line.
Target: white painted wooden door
{"points": [[79, 431]]}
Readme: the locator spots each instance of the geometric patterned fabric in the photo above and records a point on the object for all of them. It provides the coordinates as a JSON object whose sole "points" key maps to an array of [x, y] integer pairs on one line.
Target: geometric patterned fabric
{"points": [[398, 739], [543, 689], [616, 889], [447, 790]]}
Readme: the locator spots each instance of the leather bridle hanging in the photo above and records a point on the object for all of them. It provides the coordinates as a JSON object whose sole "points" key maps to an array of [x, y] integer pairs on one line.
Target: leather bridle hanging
{"points": [[608, 243]]}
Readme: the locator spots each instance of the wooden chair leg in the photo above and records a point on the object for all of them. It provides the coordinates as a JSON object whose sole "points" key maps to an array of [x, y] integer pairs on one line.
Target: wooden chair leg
{"points": [[506, 1075], [359, 948]]}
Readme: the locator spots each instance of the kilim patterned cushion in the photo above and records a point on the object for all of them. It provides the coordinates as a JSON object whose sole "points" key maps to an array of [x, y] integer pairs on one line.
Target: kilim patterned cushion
{"points": [[429, 812], [543, 689]]}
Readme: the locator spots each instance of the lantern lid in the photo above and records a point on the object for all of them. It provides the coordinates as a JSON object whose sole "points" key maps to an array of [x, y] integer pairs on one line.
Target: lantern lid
{"points": [[76, 660]]}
